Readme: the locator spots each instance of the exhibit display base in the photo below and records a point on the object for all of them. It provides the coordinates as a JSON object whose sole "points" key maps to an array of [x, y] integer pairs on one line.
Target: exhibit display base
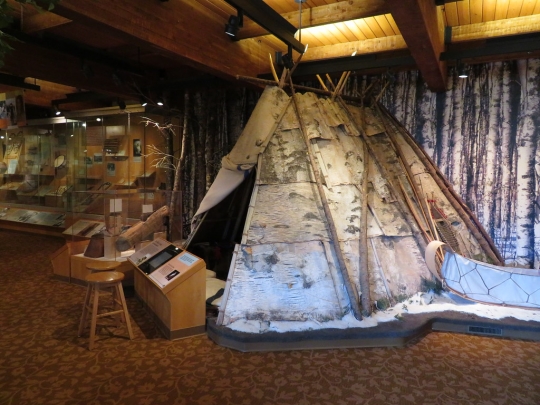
{"points": [[396, 333], [171, 283], [180, 312]]}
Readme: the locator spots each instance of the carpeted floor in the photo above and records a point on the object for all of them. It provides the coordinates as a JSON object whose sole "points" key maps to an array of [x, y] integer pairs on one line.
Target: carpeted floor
{"points": [[42, 361]]}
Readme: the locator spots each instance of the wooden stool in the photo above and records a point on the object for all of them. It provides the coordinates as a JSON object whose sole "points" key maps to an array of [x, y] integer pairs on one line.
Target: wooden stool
{"points": [[102, 266], [98, 282]]}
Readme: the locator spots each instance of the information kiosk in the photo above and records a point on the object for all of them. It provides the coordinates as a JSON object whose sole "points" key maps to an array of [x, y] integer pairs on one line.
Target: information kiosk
{"points": [[172, 284]]}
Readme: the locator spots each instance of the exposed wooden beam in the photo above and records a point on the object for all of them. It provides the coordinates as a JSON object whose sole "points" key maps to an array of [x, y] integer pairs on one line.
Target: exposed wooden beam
{"points": [[499, 28], [42, 21], [420, 22], [321, 15], [376, 45], [28, 60], [173, 28]]}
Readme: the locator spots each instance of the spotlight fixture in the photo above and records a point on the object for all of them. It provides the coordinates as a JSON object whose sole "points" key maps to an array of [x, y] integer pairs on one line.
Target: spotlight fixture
{"points": [[159, 101], [461, 70], [234, 24], [144, 103], [57, 111]]}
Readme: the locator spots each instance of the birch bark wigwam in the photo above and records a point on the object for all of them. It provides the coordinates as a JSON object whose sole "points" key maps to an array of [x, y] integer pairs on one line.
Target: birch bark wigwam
{"points": [[328, 225]]}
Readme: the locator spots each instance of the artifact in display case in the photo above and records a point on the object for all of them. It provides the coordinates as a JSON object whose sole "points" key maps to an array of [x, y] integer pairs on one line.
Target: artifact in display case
{"points": [[32, 217], [85, 228]]}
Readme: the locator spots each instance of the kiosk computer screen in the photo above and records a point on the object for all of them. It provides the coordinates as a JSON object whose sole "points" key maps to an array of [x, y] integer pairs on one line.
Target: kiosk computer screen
{"points": [[159, 259]]}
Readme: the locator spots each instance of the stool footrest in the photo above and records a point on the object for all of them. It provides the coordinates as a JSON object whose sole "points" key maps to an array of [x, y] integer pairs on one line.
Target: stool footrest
{"points": [[120, 311]]}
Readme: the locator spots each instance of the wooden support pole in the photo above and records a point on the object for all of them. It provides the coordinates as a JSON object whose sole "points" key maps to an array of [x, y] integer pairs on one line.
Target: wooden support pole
{"points": [[272, 67], [363, 267], [263, 82], [353, 296], [338, 86], [284, 75], [331, 82], [322, 83]]}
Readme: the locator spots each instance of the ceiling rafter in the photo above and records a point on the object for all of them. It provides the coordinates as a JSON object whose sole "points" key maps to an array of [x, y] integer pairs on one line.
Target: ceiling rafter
{"points": [[420, 23], [322, 15]]}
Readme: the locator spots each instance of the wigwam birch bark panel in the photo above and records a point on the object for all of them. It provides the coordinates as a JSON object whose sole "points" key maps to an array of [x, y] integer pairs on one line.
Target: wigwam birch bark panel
{"points": [[339, 169], [309, 110], [328, 114], [289, 119], [283, 282], [349, 127], [260, 127], [387, 215], [404, 267], [372, 124], [345, 203], [287, 213], [285, 160]]}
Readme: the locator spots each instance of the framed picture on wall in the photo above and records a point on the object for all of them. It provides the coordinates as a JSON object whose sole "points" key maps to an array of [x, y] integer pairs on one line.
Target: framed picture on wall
{"points": [[111, 169], [137, 148]]}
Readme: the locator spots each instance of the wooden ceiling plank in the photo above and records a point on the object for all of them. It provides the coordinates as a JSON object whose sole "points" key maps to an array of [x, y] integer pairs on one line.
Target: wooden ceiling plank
{"points": [[514, 9], [221, 8], [385, 25], [174, 29], [374, 27], [321, 35], [452, 16], [501, 9], [420, 23], [365, 47], [393, 24], [42, 21], [463, 12], [475, 7], [499, 28], [310, 38], [355, 30], [366, 30], [527, 7], [537, 7], [337, 34], [342, 27], [322, 15], [488, 11]]}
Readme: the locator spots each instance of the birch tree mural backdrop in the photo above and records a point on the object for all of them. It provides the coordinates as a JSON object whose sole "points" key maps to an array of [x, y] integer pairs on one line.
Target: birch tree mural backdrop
{"points": [[483, 133]]}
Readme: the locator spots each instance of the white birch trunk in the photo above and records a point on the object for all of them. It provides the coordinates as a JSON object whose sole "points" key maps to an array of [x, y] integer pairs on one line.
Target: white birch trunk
{"points": [[526, 153], [443, 158], [492, 155], [456, 141], [507, 184]]}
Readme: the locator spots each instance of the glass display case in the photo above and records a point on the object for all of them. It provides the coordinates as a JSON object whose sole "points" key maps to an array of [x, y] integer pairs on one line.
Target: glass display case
{"points": [[65, 173]]}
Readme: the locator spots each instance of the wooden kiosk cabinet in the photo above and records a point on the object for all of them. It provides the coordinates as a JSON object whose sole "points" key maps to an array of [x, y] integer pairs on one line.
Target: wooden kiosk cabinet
{"points": [[172, 284]]}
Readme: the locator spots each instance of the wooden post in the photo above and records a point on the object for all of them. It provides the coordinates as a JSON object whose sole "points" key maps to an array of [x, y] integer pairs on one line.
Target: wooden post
{"points": [[353, 297], [363, 276]]}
